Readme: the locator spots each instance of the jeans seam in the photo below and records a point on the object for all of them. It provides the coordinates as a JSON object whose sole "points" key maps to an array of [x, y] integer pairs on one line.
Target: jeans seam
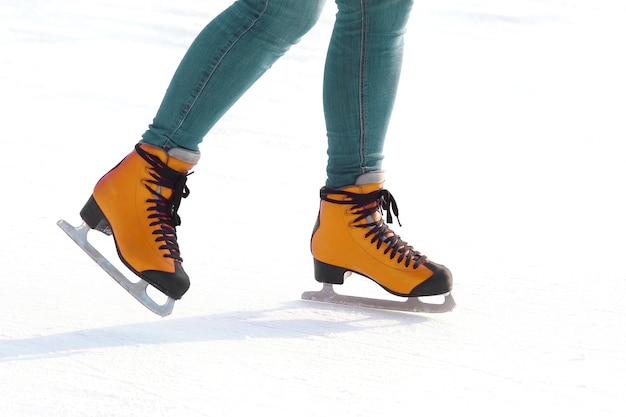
{"points": [[362, 87], [209, 76]]}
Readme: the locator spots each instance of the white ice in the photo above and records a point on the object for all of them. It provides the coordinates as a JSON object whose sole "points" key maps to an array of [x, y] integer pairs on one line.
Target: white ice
{"points": [[505, 155]]}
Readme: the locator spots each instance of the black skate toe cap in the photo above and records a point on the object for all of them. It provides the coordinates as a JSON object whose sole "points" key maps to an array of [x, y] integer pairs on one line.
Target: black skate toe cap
{"points": [[439, 283], [173, 285]]}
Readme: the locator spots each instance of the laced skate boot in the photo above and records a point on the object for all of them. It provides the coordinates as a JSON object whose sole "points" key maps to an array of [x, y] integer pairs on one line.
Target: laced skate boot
{"points": [[351, 236], [137, 202]]}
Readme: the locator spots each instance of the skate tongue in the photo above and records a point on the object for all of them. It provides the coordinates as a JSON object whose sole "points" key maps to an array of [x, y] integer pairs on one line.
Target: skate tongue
{"points": [[179, 159], [182, 160], [372, 177]]}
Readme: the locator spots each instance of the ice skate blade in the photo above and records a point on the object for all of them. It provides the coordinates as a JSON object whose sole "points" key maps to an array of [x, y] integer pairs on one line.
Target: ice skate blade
{"points": [[136, 289], [328, 295]]}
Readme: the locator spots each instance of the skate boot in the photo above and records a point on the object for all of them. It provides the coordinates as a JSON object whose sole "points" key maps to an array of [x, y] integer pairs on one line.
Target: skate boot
{"points": [[351, 236], [137, 202]]}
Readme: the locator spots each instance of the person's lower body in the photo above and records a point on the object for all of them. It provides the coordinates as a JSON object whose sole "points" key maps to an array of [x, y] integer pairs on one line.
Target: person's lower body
{"points": [[227, 57]]}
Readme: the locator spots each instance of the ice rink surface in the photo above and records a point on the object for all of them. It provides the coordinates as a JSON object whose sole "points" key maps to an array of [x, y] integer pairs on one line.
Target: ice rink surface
{"points": [[505, 155]]}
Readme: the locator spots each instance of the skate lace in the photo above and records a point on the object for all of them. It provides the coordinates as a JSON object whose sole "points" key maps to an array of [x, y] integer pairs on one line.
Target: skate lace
{"points": [[364, 206], [164, 211]]}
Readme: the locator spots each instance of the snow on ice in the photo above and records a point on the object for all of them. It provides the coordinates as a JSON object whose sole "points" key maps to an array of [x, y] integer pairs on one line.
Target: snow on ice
{"points": [[505, 155]]}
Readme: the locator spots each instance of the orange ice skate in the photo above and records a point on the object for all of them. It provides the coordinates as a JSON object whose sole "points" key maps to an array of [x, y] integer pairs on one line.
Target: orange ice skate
{"points": [[351, 236], [137, 202]]}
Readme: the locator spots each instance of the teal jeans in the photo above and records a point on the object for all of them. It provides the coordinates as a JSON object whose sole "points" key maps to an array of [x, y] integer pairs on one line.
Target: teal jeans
{"points": [[235, 49]]}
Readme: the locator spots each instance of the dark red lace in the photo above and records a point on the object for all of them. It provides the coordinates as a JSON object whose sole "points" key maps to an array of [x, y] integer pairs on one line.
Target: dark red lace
{"points": [[364, 206], [164, 211]]}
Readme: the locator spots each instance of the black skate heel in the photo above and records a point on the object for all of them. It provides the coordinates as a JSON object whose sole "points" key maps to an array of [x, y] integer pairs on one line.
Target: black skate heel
{"points": [[93, 216], [329, 274]]}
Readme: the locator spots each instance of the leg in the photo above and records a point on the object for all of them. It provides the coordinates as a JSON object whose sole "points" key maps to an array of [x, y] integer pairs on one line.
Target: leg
{"points": [[360, 83], [226, 58]]}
